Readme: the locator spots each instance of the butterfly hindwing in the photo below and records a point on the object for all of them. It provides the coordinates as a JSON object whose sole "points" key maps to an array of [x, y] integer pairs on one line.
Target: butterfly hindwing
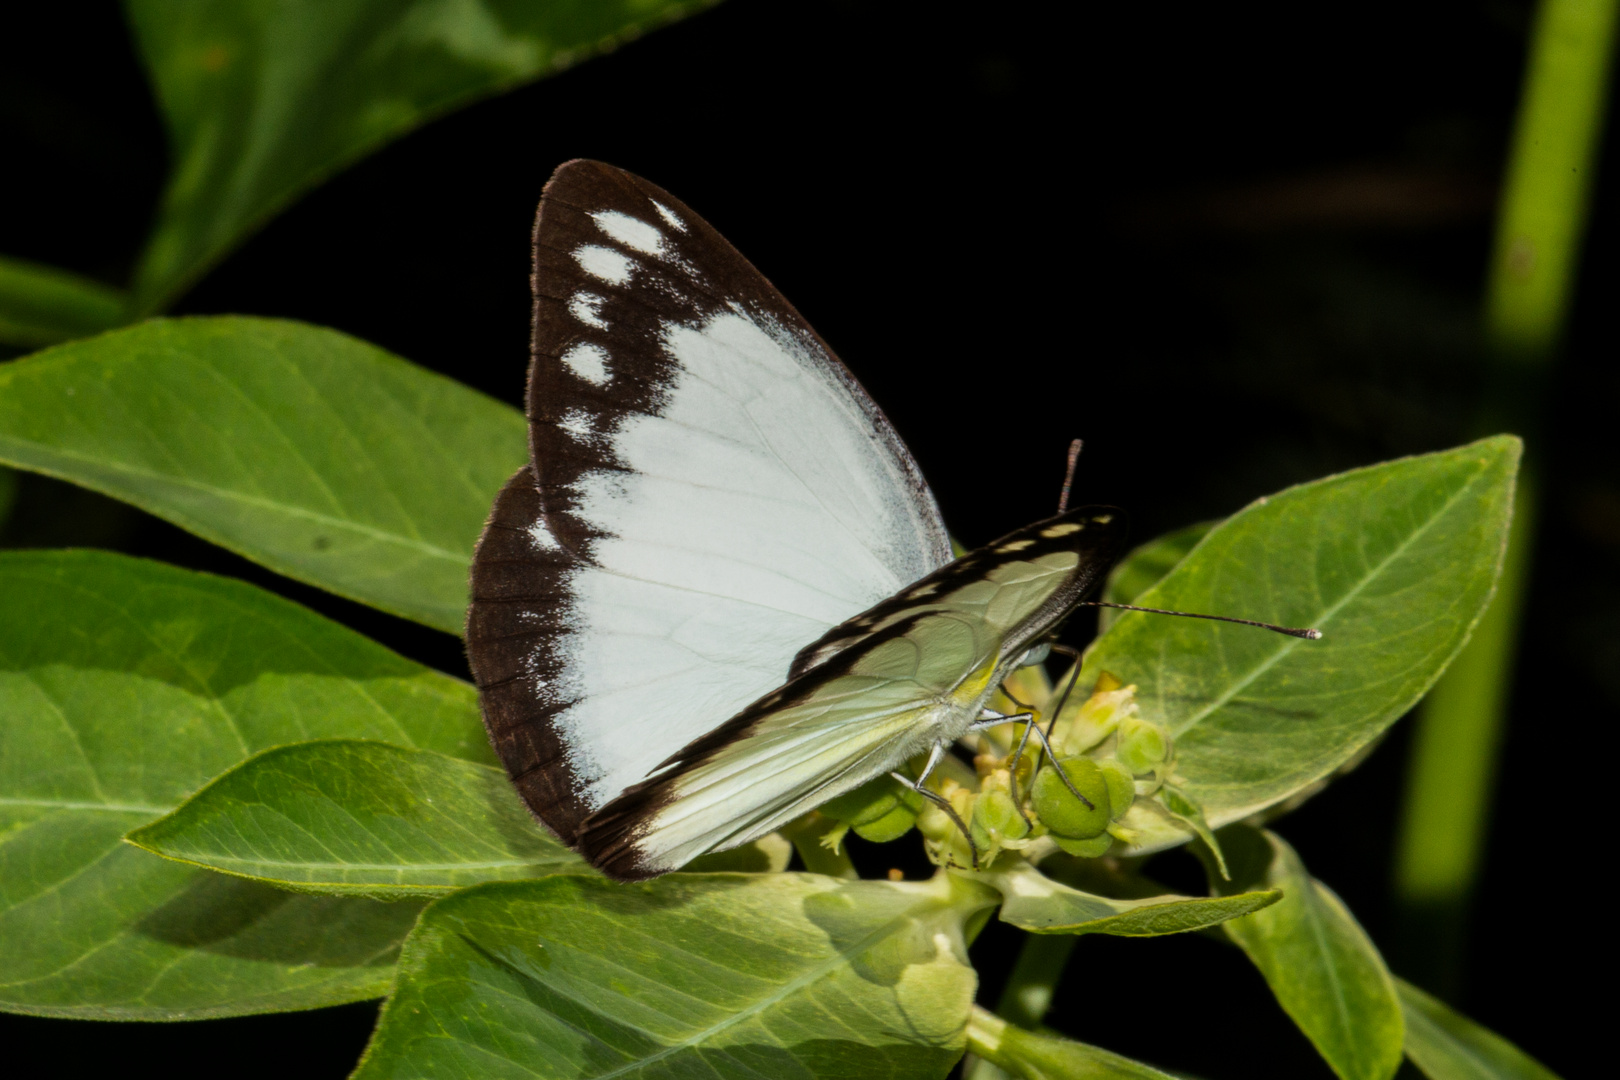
{"points": [[911, 671], [708, 489]]}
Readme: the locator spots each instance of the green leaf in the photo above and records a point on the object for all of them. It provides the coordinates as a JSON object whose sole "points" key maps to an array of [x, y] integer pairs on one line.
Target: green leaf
{"points": [[344, 816], [1324, 970], [124, 686], [1146, 566], [1394, 563], [41, 305], [1034, 902], [719, 975], [1448, 1046], [1179, 806], [320, 456], [263, 100], [1044, 1056]]}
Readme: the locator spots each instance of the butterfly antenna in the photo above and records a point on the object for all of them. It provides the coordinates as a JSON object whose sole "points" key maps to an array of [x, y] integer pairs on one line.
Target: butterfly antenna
{"points": [[1068, 474], [1305, 632]]}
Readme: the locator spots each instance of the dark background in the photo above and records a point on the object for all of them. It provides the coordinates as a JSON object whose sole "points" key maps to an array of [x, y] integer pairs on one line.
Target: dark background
{"points": [[1233, 247]]}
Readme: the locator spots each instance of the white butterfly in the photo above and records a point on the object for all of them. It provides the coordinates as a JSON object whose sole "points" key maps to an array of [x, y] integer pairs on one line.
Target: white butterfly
{"points": [[721, 594]]}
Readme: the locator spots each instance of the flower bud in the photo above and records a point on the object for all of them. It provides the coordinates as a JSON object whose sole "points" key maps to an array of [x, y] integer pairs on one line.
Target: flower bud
{"points": [[946, 845], [1094, 848], [935, 824], [891, 826], [1143, 746], [1096, 718], [1121, 788], [1060, 811], [876, 800], [996, 817]]}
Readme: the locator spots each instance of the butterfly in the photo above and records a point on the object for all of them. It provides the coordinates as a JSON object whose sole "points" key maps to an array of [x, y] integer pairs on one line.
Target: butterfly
{"points": [[720, 593]]}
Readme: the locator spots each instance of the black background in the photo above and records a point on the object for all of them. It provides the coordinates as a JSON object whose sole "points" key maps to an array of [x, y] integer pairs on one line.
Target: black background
{"points": [[1233, 247]]}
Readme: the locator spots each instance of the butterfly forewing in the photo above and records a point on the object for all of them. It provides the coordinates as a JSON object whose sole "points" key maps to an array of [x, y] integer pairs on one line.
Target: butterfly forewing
{"points": [[911, 671], [708, 490]]}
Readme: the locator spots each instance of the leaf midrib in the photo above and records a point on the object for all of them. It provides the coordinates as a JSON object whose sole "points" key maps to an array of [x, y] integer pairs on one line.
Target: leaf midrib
{"points": [[1287, 648], [495, 864], [225, 495], [81, 804]]}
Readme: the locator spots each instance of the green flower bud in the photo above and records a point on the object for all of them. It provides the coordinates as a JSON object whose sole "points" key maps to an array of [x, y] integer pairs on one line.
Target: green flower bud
{"points": [[1082, 727], [1121, 788], [1094, 848], [1142, 746], [1060, 811], [872, 801], [891, 826], [996, 817], [946, 845]]}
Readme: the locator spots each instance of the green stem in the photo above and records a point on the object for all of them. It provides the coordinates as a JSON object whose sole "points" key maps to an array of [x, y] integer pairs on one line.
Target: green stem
{"points": [[806, 835], [985, 1032], [1024, 1000], [1549, 177], [1539, 229], [1028, 993]]}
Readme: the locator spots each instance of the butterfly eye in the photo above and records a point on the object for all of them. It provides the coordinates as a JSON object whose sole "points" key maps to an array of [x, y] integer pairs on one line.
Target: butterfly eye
{"points": [[1036, 655]]}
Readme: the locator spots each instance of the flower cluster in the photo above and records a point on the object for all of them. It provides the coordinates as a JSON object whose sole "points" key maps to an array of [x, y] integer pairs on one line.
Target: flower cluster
{"points": [[1114, 772]]}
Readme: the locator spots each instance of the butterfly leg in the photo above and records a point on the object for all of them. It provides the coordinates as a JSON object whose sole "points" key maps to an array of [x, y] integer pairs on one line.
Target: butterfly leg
{"points": [[989, 719], [1046, 744], [934, 757], [1046, 740], [1030, 724]]}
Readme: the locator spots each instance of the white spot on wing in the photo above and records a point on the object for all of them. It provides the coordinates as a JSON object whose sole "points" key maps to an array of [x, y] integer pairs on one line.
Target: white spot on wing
{"points": [[542, 536], [583, 305], [577, 423], [531, 668], [588, 361], [669, 216], [631, 232], [604, 264]]}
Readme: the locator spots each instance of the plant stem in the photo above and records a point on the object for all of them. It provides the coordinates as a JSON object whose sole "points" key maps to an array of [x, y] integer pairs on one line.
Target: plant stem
{"points": [[818, 858], [1024, 1000], [1531, 284], [984, 1032], [1028, 993]]}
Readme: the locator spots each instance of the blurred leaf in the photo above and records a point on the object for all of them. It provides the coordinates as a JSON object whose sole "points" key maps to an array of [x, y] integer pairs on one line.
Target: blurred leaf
{"points": [[1394, 563], [41, 305], [265, 98], [320, 456], [1325, 971], [1046, 1056], [343, 816], [124, 686], [718, 975], [1034, 902], [1146, 566], [1448, 1046]]}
